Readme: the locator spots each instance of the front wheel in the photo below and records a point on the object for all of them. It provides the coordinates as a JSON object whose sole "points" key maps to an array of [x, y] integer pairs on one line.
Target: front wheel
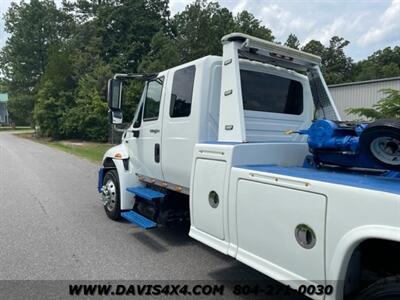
{"points": [[111, 195], [384, 289]]}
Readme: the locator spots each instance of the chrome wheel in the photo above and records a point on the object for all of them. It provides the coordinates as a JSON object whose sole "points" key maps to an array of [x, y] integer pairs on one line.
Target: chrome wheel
{"points": [[387, 150], [109, 195]]}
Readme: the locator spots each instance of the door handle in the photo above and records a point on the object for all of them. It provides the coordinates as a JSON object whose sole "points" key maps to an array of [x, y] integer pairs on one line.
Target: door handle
{"points": [[154, 130], [157, 153]]}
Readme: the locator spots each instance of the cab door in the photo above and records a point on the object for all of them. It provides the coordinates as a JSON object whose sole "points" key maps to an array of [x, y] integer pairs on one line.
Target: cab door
{"points": [[148, 141]]}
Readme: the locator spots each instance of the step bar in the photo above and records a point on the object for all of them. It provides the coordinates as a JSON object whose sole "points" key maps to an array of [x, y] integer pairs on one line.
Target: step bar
{"points": [[137, 219], [146, 193]]}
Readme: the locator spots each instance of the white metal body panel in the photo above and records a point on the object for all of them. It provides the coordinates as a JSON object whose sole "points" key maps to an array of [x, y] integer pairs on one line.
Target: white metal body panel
{"points": [[211, 176], [231, 117], [267, 216], [353, 216]]}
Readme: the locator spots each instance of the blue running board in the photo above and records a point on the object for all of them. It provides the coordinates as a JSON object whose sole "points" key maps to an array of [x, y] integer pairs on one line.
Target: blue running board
{"points": [[138, 219], [146, 193]]}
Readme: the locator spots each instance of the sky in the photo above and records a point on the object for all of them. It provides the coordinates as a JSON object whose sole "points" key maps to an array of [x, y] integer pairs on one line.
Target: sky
{"points": [[369, 25]]}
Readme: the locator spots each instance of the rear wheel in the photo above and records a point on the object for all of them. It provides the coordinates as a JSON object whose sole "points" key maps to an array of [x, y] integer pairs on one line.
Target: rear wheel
{"points": [[111, 195], [381, 142], [384, 289]]}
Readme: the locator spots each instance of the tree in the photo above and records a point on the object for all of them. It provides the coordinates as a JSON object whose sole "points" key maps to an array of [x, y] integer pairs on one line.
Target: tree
{"points": [[314, 47], [381, 64], [245, 22], [336, 66], [128, 30], [87, 118], [34, 28], [163, 54], [386, 108], [199, 28], [55, 94], [292, 41]]}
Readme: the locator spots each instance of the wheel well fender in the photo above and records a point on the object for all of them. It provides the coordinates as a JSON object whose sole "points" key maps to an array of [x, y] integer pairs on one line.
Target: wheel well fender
{"points": [[118, 152], [338, 265], [108, 163]]}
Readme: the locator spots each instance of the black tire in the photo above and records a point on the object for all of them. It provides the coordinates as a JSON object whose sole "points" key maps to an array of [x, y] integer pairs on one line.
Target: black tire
{"points": [[113, 210], [384, 289], [378, 129]]}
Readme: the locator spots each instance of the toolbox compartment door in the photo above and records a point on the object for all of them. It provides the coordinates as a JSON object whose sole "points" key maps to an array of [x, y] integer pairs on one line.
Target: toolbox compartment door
{"points": [[210, 181], [267, 218]]}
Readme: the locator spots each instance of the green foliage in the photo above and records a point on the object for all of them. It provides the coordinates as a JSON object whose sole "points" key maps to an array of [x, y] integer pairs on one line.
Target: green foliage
{"points": [[336, 66], [87, 119], [54, 96], [381, 64], [386, 108], [314, 47], [292, 41], [131, 96], [245, 22], [164, 54], [20, 107], [199, 29], [34, 28]]}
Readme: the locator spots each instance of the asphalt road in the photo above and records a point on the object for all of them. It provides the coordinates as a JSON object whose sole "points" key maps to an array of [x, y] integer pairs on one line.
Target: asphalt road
{"points": [[53, 227]]}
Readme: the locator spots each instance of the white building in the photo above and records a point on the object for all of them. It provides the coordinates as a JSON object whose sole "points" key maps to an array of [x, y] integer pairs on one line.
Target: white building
{"points": [[3, 109], [360, 94]]}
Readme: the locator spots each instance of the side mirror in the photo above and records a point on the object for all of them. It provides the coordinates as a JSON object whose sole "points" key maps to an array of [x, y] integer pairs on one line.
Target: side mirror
{"points": [[115, 116], [114, 94]]}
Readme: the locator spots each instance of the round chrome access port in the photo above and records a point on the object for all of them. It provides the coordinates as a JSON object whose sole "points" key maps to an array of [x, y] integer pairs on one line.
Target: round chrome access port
{"points": [[213, 199]]}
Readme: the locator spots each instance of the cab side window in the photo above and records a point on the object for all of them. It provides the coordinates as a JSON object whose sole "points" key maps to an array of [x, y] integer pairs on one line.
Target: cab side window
{"points": [[153, 99], [182, 92]]}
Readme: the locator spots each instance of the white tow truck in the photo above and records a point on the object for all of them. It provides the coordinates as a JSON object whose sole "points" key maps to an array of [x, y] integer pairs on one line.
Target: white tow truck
{"points": [[209, 143]]}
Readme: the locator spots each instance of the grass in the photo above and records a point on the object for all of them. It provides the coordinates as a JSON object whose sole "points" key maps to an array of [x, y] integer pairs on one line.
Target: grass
{"points": [[88, 150], [91, 151], [18, 128]]}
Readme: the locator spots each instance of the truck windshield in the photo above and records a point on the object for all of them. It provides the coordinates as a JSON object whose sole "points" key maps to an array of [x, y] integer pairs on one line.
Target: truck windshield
{"points": [[270, 93]]}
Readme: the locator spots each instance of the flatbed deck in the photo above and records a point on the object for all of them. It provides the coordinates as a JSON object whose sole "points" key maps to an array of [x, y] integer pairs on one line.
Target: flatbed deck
{"points": [[336, 176]]}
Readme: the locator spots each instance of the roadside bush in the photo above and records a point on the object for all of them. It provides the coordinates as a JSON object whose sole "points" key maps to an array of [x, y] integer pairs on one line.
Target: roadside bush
{"points": [[88, 118], [55, 95]]}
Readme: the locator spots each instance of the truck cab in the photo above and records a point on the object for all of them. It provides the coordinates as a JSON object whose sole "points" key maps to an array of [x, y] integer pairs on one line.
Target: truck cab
{"points": [[209, 144]]}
